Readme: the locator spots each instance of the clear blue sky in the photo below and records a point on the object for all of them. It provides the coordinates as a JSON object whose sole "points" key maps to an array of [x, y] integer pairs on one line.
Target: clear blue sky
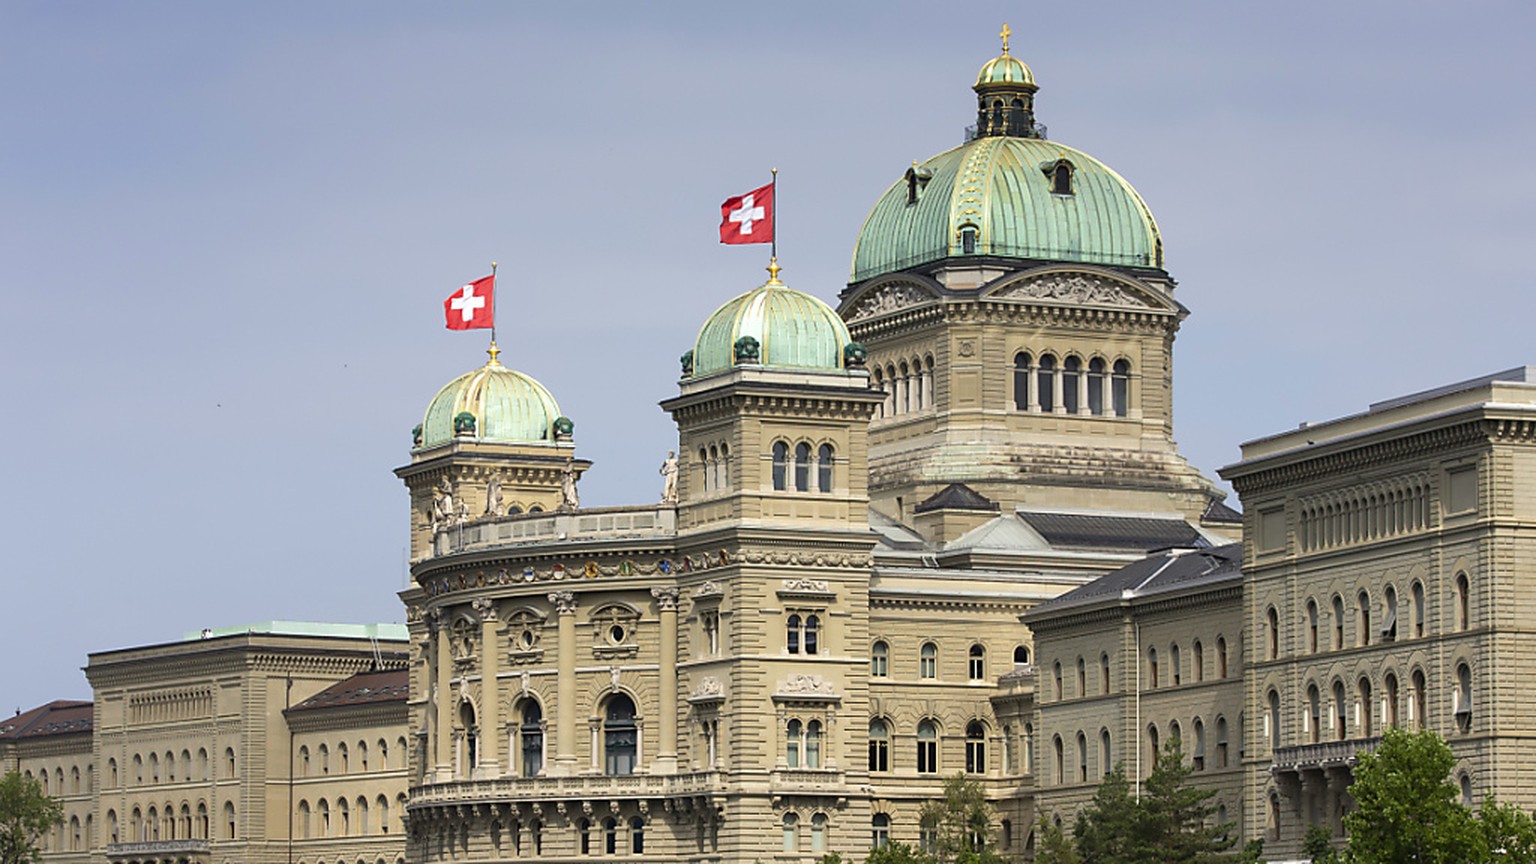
{"points": [[226, 229]]}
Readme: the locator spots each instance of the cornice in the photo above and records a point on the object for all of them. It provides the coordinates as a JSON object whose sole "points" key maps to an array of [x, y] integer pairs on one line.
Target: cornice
{"points": [[1330, 461]]}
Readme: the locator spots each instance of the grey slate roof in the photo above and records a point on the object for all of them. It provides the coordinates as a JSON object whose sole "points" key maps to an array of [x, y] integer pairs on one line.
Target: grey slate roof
{"points": [[1218, 511], [389, 685], [957, 496], [1104, 531], [1167, 571], [59, 717]]}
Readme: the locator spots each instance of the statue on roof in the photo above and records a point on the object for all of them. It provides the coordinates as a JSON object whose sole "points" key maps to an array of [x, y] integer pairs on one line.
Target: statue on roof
{"points": [[447, 507], [569, 500], [669, 483]]}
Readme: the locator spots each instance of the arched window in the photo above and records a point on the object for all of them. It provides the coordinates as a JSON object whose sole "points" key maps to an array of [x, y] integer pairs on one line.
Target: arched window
{"points": [[1272, 720], [1197, 664], [1221, 657], [1082, 757], [344, 813], [1029, 748], [927, 748], [1340, 718], [1338, 622], [1071, 368], [1105, 762], [880, 830], [112, 834], [792, 626], [1059, 763], [1104, 673], [813, 744], [1061, 178], [1020, 655], [1176, 664], [1096, 377], [1082, 677], [780, 465], [1314, 714], [879, 746], [1154, 745], [636, 835], [154, 771], [978, 663], [304, 820], [1389, 615], [381, 806], [532, 733], [620, 736], [1389, 699], [1274, 816], [1120, 388], [1152, 668], [791, 832], [341, 754], [229, 766], [1221, 742], [1363, 619], [229, 819], [111, 773], [1311, 626], [812, 631], [471, 740], [879, 659], [1462, 701], [1418, 609], [802, 467], [1176, 733], [1363, 707], [584, 836], [1021, 364], [202, 821], [793, 734], [819, 832], [1417, 703], [1466, 791], [1271, 634], [611, 836], [325, 759], [975, 748], [1061, 692], [1198, 759], [928, 661], [824, 468], [1045, 385], [1463, 597]]}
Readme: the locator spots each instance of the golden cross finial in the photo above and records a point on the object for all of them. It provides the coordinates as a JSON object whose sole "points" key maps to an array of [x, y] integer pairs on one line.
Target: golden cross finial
{"points": [[773, 271], [1006, 32]]}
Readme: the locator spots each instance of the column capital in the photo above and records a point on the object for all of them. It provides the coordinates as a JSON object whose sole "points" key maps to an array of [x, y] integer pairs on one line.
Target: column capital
{"points": [[485, 607], [564, 602], [666, 598], [437, 618]]}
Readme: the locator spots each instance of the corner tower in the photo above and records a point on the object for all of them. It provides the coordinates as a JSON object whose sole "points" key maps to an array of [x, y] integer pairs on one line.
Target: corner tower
{"points": [[1020, 323]]}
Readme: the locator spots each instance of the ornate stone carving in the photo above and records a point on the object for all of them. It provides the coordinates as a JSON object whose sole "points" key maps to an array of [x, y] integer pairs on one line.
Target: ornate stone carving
{"points": [[485, 608], [1077, 288], [669, 478], [814, 586], [708, 589], [437, 619], [807, 684], [569, 499], [563, 601], [527, 682], [447, 507], [666, 598], [493, 496], [708, 686], [888, 299]]}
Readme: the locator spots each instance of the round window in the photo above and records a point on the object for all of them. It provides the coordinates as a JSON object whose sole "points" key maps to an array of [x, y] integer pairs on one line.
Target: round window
{"points": [[616, 634]]}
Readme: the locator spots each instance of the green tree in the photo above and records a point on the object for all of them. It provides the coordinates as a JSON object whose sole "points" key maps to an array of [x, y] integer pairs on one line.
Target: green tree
{"points": [[1054, 847], [1508, 832], [1318, 846], [895, 853], [1177, 819], [26, 814], [1109, 830], [961, 823], [1406, 810]]}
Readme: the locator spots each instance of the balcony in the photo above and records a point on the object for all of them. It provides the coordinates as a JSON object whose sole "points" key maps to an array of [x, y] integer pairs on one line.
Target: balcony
{"points": [[1321, 757], [619, 787], [159, 850], [596, 524]]}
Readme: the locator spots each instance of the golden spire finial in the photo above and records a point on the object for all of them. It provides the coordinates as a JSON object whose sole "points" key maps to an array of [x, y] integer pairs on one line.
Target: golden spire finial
{"points": [[773, 271], [1006, 32], [494, 352]]}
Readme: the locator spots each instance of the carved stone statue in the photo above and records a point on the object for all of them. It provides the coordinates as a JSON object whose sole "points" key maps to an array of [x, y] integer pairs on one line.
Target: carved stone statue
{"points": [[669, 483], [493, 496], [569, 500], [447, 508]]}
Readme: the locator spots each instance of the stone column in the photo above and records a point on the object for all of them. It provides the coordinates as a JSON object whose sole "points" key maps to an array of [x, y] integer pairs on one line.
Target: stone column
{"points": [[1082, 390], [1059, 405], [442, 731], [565, 693], [1032, 387], [490, 692], [666, 737]]}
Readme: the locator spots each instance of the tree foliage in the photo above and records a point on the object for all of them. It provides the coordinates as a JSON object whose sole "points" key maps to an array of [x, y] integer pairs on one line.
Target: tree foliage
{"points": [[26, 814], [1407, 810], [961, 823]]}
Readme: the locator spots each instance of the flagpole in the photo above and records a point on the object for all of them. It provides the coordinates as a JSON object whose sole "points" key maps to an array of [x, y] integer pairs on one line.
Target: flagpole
{"points": [[773, 233], [493, 308]]}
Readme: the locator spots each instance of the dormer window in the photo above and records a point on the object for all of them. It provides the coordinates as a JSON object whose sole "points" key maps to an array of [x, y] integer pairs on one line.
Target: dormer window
{"points": [[1059, 173], [968, 239]]}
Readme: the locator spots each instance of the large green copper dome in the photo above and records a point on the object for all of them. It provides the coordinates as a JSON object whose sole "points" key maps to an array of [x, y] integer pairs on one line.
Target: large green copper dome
{"points": [[792, 329], [1002, 189], [507, 406]]}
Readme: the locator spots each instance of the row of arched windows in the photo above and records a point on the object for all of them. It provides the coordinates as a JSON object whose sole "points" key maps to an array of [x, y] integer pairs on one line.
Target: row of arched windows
{"points": [[1366, 629], [168, 770], [1069, 386], [818, 832], [1365, 514], [155, 823], [715, 467], [927, 750], [620, 736], [341, 819], [1082, 764], [928, 660], [57, 787], [908, 386], [322, 762], [1174, 673], [799, 469]]}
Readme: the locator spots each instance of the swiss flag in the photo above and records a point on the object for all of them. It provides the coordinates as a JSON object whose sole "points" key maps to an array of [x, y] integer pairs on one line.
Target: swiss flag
{"points": [[748, 218], [473, 306]]}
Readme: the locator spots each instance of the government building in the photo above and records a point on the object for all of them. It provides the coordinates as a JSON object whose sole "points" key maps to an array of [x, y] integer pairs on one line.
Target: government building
{"points": [[940, 528]]}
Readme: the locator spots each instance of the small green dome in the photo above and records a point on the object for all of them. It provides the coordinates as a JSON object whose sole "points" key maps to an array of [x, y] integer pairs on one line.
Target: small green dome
{"points": [[507, 406], [791, 330], [1004, 190], [1005, 69]]}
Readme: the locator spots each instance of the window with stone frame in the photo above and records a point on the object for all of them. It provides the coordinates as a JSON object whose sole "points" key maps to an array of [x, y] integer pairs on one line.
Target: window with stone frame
{"points": [[614, 630], [802, 631], [525, 633]]}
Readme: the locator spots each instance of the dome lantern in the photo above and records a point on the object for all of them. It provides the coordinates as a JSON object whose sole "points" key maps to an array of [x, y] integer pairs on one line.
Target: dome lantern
{"points": [[1005, 96]]}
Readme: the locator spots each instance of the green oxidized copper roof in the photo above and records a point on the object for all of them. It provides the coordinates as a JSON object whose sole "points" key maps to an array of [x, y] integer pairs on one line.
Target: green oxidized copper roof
{"points": [[794, 330], [1004, 70], [999, 185], [508, 406]]}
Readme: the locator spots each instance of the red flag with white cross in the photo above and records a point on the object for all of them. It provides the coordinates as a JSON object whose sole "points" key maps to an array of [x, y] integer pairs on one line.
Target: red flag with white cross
{"points": [[473, 306], [748, 218]]}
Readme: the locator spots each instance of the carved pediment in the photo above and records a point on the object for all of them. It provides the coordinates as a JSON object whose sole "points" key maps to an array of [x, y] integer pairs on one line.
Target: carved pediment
{"points": [[886, 299], [1078, 289], [802, 687]]}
